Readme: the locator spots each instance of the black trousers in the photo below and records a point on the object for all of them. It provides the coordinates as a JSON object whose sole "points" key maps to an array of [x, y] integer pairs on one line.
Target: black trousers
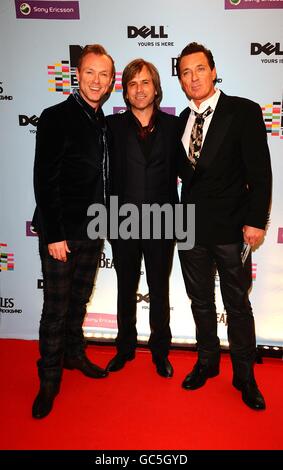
{"points": [[66, 290], [198, 266], [158, 256]]}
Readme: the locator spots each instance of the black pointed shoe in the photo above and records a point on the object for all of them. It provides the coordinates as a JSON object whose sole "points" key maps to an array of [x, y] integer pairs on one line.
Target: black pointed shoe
{"points": [[83, 364], [43, 403], [251, 394], [199, 375], [118, 362], [163, 367]]}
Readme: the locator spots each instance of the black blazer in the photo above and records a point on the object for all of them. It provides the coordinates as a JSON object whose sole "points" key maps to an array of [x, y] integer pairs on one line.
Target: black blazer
{"points": [[67, 171], [168, 128], [231, 185]]}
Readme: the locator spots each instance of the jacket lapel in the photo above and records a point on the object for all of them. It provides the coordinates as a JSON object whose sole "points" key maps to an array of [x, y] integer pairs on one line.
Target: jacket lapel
{"points": [[186, 170], [122, 130], [183, 118], [217, 130]]}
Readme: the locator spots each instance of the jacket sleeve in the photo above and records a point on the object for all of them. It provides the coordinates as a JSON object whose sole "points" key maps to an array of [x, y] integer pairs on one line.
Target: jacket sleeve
{"points": [[256, 159]]}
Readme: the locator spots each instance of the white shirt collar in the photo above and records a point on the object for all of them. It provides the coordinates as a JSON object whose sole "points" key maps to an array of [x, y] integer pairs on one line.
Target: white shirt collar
{"points": [[212, 102]]}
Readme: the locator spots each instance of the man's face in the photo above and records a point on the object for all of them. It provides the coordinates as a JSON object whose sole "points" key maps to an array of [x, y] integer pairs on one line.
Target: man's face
{"points": [[196, 77], [141, 90], [94, 77]]}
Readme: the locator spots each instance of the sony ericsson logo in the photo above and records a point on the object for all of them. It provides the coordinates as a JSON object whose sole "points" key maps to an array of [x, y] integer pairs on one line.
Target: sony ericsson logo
{"points": [[100, 320], [25, 9], [147, 31], [48, 9], [30, 231], [252, 4], [166, 109], [267, 49]]}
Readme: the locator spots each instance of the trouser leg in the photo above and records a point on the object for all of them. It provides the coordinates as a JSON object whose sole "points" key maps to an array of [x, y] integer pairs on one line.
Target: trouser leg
{"points": [[158, 255], [234, 289], [57, 283], [87, 254], [127, 255], [198, 268]]}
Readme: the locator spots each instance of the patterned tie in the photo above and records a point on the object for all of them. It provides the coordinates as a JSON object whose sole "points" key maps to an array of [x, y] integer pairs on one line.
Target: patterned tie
{"points": [[196, 136]]}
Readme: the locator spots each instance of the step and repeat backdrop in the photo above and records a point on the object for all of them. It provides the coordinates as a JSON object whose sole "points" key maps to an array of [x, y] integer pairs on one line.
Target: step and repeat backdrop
{"points": [[40, 42]]}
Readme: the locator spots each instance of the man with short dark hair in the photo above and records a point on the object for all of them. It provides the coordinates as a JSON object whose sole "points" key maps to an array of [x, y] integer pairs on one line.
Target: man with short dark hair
{"points": [[70, 174], [228, 179]]}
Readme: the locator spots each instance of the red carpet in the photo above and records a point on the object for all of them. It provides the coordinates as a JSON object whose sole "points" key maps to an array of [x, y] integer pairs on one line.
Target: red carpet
{"points": [[135, 408]]}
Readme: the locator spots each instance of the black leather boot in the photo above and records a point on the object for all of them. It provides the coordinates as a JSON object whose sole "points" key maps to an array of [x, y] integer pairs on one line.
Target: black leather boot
{"points": [[43, 403]]}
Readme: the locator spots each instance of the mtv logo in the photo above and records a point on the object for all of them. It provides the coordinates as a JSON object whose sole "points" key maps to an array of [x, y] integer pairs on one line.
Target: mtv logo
{"points": [[280, 235]]}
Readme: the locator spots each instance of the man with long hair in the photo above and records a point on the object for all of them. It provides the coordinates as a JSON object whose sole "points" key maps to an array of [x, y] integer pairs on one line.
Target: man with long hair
{"points": [[144, 155]]}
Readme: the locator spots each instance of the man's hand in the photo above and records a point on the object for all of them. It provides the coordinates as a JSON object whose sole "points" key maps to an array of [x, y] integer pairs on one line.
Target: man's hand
{"points": [[252, 235], [59, 250]]}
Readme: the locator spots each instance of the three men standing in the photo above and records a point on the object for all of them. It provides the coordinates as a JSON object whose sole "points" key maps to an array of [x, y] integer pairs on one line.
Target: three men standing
{"points": [[226, 175]]}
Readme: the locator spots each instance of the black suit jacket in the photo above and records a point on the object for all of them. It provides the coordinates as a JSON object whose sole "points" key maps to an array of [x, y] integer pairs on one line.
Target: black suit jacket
{"points": [[168, 132], [67, 171], [231, 185]]}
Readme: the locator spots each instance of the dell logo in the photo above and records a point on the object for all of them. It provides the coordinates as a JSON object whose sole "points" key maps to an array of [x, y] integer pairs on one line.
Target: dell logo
{"points": [[268, 48], [145, 32], [25, 120]]}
